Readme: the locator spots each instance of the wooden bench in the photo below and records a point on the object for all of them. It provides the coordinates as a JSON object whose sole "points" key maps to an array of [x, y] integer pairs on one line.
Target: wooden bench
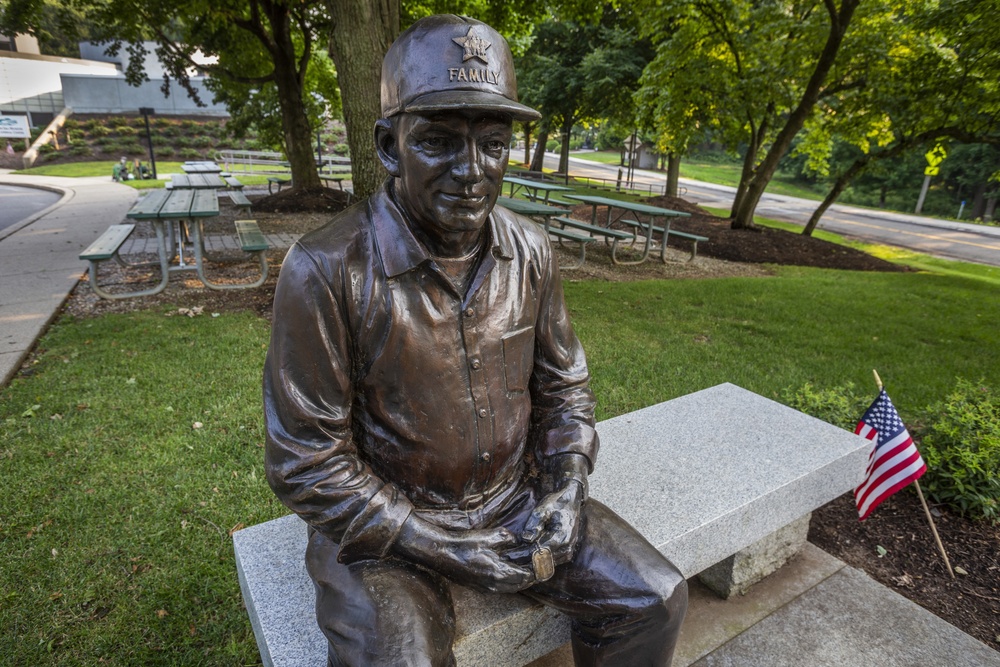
{"points": [[107, 246], [566, 235], [240, 200], [277, 180], [665, 233], [232, 181], [703, 477], [613, 235]]}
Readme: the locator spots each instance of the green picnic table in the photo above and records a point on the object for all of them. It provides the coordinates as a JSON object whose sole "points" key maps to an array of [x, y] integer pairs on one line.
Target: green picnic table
{"points": [[197, 181], [201, 167], [178, 216], [617, 210], [531, 209], [534, 190]]}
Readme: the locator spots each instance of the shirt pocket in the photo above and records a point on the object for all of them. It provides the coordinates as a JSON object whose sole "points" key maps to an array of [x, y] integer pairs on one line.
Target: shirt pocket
{"points": [[518, 357]]}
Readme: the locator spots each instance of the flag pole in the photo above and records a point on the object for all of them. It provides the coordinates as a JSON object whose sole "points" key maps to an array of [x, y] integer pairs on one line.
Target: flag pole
{"points": [[923, 502]]}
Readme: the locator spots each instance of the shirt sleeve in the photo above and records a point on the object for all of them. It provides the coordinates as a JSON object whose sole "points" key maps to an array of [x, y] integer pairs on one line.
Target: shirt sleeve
{"points": [[562, 402], [311, 459]]}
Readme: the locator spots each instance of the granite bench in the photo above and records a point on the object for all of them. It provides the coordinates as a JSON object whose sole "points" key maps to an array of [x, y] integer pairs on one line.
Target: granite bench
{"points": [[717, 480]]}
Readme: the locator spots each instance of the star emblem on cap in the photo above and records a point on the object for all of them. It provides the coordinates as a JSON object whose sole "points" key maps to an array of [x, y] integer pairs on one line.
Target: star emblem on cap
{"points": [[475, 46]]}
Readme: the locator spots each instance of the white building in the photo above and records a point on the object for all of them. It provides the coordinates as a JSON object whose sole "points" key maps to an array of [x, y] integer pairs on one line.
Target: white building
{"points": [[40, 86]]}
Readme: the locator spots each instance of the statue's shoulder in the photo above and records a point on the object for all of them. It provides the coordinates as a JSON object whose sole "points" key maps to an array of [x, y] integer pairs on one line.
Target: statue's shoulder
{"points": [[522, 232], [342, 233]]}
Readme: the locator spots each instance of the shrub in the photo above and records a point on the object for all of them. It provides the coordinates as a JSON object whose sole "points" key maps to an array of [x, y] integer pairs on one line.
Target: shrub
{"points": [[126, 131], [71, 124], [81, 150], [202, 142], [190, 154], [190, 124], [45, 149], [165, 151], [93, 124], [118, 121], [340, 149], [961, 445], [840, 406], [106, 142], [98, 131], [552, 145]]}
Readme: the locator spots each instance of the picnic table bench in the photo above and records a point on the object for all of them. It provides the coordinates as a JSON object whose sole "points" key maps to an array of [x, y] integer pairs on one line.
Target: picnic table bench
{"points": [[610, 235], [277, 180], [705, 478]]}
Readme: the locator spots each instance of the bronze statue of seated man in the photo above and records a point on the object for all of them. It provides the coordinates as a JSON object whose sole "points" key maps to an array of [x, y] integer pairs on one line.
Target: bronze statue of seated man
{"points": [[427, 402]]}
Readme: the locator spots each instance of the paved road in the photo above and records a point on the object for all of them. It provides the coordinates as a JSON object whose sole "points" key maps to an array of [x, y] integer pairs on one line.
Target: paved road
{"points": [[17, 203], [945, 238]]}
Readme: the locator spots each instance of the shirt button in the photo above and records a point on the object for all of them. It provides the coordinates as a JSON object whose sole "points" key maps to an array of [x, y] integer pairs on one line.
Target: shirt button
{"points": [[476, 364], [469, 312], [482, 412], [485, 457]]}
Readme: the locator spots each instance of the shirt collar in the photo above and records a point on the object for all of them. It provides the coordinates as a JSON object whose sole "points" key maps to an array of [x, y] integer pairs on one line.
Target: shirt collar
{"points": [[399, 248]]}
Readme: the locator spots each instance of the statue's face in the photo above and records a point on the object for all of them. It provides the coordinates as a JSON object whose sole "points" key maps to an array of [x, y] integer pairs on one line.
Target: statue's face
{"points": [[450, 168]]}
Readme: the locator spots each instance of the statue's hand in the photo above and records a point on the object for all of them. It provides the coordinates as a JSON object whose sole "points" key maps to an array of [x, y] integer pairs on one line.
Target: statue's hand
{"points": [[555, 522], [471, 558]]}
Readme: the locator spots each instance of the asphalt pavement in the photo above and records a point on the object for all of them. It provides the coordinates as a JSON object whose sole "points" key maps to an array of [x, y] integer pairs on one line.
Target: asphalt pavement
{"points": [[17, 203]]}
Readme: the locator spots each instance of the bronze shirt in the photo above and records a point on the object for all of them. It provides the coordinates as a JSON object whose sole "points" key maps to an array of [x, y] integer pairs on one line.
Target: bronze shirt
{"points": [[385, 389]]}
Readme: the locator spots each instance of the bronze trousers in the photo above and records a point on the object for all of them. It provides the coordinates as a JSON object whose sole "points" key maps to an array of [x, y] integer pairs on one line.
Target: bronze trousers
{"points": [[625, 600]]}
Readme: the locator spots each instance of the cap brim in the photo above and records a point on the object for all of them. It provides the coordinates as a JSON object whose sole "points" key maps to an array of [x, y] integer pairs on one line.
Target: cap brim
{"points": [[478, 100]]}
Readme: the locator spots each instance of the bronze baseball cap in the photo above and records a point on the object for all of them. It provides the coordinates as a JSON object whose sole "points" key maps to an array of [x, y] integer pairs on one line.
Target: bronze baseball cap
{"points": [[450, 62]]}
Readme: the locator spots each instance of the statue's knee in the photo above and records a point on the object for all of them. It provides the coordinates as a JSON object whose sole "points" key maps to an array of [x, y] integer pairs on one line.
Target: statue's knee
{"points": [[670, 596]]}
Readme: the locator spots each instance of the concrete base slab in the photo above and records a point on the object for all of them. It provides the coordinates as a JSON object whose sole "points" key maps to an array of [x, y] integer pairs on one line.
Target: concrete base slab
{"points": [[712, 621], [850, 620]]}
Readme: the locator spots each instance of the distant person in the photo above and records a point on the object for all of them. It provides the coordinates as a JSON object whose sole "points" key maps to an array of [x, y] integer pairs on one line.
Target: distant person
{"points": [[10, 149]]}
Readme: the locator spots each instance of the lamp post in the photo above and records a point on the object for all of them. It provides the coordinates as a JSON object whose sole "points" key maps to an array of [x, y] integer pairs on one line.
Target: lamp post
{"points": [[146, 112]]}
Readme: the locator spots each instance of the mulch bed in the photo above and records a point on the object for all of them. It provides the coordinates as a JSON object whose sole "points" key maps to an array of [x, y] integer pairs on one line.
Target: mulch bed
{"points": [[910, 565], [758, 246]]}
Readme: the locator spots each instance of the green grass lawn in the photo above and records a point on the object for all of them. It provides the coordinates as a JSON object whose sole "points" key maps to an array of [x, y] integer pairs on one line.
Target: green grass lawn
{"points": [[722, 173], [115, 521], [103, 168]]}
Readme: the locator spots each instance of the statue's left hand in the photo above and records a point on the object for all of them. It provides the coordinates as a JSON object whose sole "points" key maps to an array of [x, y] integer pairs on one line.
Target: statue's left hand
{"points": [[555, 522]]}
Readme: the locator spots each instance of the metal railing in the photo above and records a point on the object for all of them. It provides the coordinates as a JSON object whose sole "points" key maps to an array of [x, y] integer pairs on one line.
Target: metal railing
{"points": [[270, 162]]}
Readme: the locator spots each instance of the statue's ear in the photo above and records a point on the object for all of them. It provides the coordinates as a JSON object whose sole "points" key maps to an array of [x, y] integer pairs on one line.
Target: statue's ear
{"points": [[385, 146]]}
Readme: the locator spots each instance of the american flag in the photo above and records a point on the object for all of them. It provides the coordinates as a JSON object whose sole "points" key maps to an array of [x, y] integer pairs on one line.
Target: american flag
{"points": [[895, 461]]}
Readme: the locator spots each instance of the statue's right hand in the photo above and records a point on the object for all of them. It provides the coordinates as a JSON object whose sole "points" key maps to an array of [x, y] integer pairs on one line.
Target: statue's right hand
{"points": [[471, 558]]}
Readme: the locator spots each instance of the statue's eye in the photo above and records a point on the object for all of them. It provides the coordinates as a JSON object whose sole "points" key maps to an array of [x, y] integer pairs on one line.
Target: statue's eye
{"points": [[433, 143], [494, 147]]}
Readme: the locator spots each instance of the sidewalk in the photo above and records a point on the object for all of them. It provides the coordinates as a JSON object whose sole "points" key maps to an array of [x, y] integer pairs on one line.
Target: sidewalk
{"points": [[814, 612]]}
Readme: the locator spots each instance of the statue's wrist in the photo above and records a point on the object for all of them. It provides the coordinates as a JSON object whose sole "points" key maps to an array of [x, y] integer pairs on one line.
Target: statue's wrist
{"points": [[574, 479]]}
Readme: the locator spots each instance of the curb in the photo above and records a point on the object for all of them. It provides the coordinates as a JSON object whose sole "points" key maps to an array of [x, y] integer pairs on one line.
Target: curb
{"points": [[67, 195]]}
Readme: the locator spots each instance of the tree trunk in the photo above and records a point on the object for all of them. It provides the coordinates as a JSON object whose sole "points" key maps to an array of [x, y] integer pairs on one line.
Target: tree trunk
{"points": [[528, 127], [673, 173], [839, 186], [991, 207], [289, 78], [978, 202], [883, 192], [743, 213], [538, 159], [567, 131], [361, 34]]}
